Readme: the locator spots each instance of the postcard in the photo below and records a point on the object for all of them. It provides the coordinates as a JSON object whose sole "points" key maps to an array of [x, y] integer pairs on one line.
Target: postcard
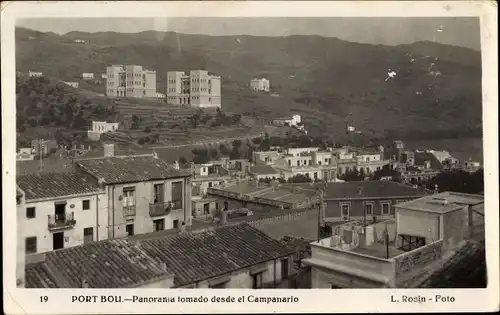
{"points": [[250, 157]]}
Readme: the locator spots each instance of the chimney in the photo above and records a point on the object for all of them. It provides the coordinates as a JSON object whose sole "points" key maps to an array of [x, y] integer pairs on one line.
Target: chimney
{"points": [[182, 228], [176, 165], [109, 150], [163, 267], [85, 284], [223, 217]]}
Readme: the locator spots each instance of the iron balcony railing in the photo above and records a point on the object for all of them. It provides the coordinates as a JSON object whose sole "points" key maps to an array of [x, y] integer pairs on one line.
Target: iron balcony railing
{"points": [[129, 211], [61, 221], [164, 208]]}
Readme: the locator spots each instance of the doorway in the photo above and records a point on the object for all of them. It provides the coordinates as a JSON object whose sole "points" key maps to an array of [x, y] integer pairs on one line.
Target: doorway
{"points": [[58, 240]]}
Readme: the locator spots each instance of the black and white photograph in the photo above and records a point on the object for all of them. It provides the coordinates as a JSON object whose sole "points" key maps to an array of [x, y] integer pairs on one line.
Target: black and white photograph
{"points": [[251, 152]]}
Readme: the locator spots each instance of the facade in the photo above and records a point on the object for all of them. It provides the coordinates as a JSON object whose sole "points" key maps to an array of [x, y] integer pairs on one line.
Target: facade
{"points": [[100, 127], [87, 76], [75, 85], [130, 81], [207, 175], [384, 255], [160, 95], [366, 200], [145, 194], [198, 88], [260, 85], [25, 154], [265, 157], [34, 74], [259, 172], [237, 256], [60, 210], [317, 165]]}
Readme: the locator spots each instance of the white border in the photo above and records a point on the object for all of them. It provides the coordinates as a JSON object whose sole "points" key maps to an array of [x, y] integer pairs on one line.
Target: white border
{"points": [[27, 301]]}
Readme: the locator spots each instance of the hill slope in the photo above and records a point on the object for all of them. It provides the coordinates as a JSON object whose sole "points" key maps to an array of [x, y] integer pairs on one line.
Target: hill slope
{"points": [[437, 88]]}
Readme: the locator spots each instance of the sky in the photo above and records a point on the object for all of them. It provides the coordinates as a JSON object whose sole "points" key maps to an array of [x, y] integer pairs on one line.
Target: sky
{"points": [[457, 31]]}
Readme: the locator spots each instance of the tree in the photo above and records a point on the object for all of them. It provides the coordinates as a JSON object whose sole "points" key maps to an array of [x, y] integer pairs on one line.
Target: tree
{"points": [[257, 140], [234, 154], [237, 143], [353, 175], [201, 156], [299, 178], [182, 160], [160, 124], [458, 181], [224, 150], [214, 154], [385, 172], [147, 129], [135, 122], [236, 118]]}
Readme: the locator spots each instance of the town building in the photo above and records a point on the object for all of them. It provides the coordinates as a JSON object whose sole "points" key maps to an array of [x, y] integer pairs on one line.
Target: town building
{"points": [[260, 85], [208, 175], [75, 85], [317, 165], [25, 154], [471, 166], [43, 146], [145, 193], [60, 210], [265, 157], [104, 75], [366, 200], [87, 76], [34, 74], [130, 81], [235, 256], [260, 172], [428, 237], [100, 127], [160, 95], [80, 41], [261, 197], [198, 88], [294, 121]]}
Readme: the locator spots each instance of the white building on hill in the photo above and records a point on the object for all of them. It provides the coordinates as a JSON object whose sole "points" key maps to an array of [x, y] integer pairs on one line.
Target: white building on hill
{"points": [[100, 127], [294, 121], [130, 81], [35, 74], [72, 84], [198, 88], [87, 76], [261, 85]]}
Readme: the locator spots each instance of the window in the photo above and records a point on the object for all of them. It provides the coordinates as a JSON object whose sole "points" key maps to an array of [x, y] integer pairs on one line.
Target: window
{"points": [[88, 235], [345, 208], [86, 204], [315, 175], [177, 195], [31, 245], [128, 201], [386, 208], [159, 191], [129, 228], [257, 281], [206, 208], [369, 208], [284, 268], [176, 224], [30, 212], [159, 225], [216, 206]]}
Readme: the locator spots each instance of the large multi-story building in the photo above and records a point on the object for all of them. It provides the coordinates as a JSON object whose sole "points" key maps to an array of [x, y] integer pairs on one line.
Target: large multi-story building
{"points": [[261, 85], [130, 81], [198, 88]]}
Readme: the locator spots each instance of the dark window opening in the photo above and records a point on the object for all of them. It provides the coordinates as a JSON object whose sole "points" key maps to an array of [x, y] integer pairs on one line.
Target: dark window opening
{"points": [[30, 212]]}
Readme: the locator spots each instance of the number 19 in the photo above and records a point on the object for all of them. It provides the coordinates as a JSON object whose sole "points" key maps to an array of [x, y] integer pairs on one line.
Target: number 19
{"points": [[44, 299]]}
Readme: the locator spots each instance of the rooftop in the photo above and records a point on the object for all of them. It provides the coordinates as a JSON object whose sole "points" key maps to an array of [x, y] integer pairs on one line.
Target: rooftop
{"points": [[104, 264], [370, 189], [443, 202], [53, 185], [217, 252], [114, 170], [378, 250], [262, 170], [465, 268]]}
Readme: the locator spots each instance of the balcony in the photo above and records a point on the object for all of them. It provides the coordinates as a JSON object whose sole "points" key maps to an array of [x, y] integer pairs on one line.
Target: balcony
{"points": [[129, 211], [163, 208], [61, 221]]}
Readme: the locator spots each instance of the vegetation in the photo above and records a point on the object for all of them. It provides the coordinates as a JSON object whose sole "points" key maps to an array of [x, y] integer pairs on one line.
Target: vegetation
{"points": [[458, 181], [353, 175], [299, 178], [447, 105], [387, 171]]}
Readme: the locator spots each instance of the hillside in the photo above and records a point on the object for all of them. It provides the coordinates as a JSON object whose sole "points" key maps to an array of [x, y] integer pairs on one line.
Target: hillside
{"points": [[436, 92]]}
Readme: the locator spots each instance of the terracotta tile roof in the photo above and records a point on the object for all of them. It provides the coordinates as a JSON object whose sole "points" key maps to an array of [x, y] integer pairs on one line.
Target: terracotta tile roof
{"points": [[115, 170], [105, 264], [262, 170], [50, 185], [37, 276], [50, 165], [198, 256], [465, 269], [370, 189]]}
